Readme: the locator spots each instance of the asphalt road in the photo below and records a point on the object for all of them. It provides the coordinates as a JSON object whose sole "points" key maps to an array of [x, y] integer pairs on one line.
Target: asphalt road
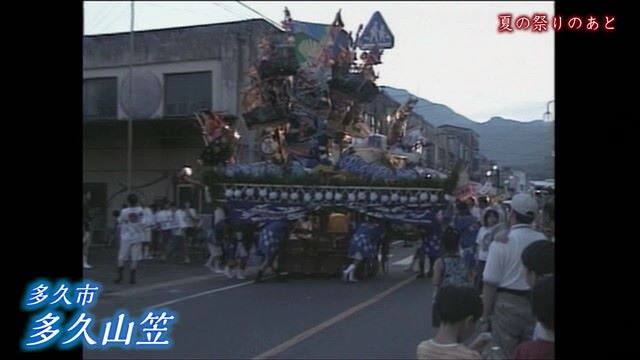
{"points": [[316, 317]]}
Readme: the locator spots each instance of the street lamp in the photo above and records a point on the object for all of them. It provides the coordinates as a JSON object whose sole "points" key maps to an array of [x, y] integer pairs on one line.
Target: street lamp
{"points": [[488, 173], [546, 117], [185, 172], [130, 119]]}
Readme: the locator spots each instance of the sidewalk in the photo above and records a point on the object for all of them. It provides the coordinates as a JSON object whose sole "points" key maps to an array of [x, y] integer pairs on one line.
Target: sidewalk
{"points": [[150, 273]]}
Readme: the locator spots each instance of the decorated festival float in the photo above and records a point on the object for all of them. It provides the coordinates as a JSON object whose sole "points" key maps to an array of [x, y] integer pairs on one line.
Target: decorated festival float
{"points": [[305, 102]]}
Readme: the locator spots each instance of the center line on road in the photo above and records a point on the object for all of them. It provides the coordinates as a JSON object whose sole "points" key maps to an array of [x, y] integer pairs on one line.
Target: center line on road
{"points": [[185, 281], [318, 328], [201, 294]]}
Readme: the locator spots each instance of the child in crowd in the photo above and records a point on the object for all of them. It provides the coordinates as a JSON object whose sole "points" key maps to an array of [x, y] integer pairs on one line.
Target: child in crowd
{"points": [[543, 344], [459, 308], [451, 269]]}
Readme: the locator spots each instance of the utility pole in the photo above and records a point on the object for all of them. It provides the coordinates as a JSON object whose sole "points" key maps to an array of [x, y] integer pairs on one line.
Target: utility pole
{"points": [[130, 120]]}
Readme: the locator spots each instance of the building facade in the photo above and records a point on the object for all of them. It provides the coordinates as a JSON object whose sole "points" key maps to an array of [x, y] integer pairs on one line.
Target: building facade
{"points": [[433, 150], [173, 74]]}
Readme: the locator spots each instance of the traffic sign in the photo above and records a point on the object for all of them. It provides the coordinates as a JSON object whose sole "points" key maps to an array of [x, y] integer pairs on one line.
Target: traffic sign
{"points": [[376, 34]]}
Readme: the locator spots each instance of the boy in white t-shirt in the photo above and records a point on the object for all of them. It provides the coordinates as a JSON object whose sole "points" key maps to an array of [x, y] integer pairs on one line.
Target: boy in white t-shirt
{"points": [[132, 232]]}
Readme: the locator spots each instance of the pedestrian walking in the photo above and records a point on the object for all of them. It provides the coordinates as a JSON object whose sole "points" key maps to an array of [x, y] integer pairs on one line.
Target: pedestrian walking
{"points": [[164, 218], [132, 232], [177, 227]]}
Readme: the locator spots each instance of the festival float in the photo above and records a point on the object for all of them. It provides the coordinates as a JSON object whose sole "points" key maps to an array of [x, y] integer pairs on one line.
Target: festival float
{"points": [[305, 101]]}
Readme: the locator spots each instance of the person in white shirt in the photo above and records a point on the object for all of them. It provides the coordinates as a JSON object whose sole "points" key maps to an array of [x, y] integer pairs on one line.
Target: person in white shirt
{"points": [[492, 225], [148, 222], [192, 222], [155, 232], [178, 226], [507, 311], [473, 209], [163, 219], [132, 232]]}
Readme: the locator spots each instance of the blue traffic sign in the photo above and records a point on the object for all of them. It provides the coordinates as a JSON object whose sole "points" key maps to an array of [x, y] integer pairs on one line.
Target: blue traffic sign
{"points": [[376, 34]]}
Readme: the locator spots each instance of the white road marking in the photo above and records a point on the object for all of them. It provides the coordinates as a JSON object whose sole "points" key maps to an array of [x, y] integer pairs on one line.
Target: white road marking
{"points": [[143, 289], [318, 328], [212, 291], [405, 261]]}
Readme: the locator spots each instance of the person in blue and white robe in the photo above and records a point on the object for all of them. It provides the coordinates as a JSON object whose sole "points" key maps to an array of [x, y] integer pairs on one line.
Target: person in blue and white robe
{"points": [[363, 246], [272, 237]]}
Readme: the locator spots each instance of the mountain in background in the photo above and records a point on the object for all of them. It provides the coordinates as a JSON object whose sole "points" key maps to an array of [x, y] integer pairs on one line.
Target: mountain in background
{"points": [[524, 146]]}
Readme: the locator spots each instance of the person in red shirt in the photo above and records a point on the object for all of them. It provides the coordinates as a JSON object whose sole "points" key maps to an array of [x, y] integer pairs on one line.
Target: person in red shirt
{"points": [[543, 346]]}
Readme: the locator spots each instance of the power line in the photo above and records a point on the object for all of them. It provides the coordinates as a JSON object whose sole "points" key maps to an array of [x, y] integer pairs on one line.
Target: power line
{"points": [[276, 24], [244, 17], [97, 17], [113, 20], [99, 24], [173, 8]]}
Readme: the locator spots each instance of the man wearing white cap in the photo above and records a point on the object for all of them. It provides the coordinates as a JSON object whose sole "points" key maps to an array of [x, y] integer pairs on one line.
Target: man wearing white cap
{"points": [[507, 311]]}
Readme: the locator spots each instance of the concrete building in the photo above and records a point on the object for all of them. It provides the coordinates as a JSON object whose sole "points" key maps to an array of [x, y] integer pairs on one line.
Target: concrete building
{"points": [[376, 114], [467, 147], [517, 181], [176, 72]]}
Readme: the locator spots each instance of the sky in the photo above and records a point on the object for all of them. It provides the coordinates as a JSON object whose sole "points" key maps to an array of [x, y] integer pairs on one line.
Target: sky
{"points": [[446, 52]]}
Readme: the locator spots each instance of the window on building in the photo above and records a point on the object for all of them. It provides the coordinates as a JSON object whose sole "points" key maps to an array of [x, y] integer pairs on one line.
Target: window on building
{"points": [[100, 98], [187, 93]]}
